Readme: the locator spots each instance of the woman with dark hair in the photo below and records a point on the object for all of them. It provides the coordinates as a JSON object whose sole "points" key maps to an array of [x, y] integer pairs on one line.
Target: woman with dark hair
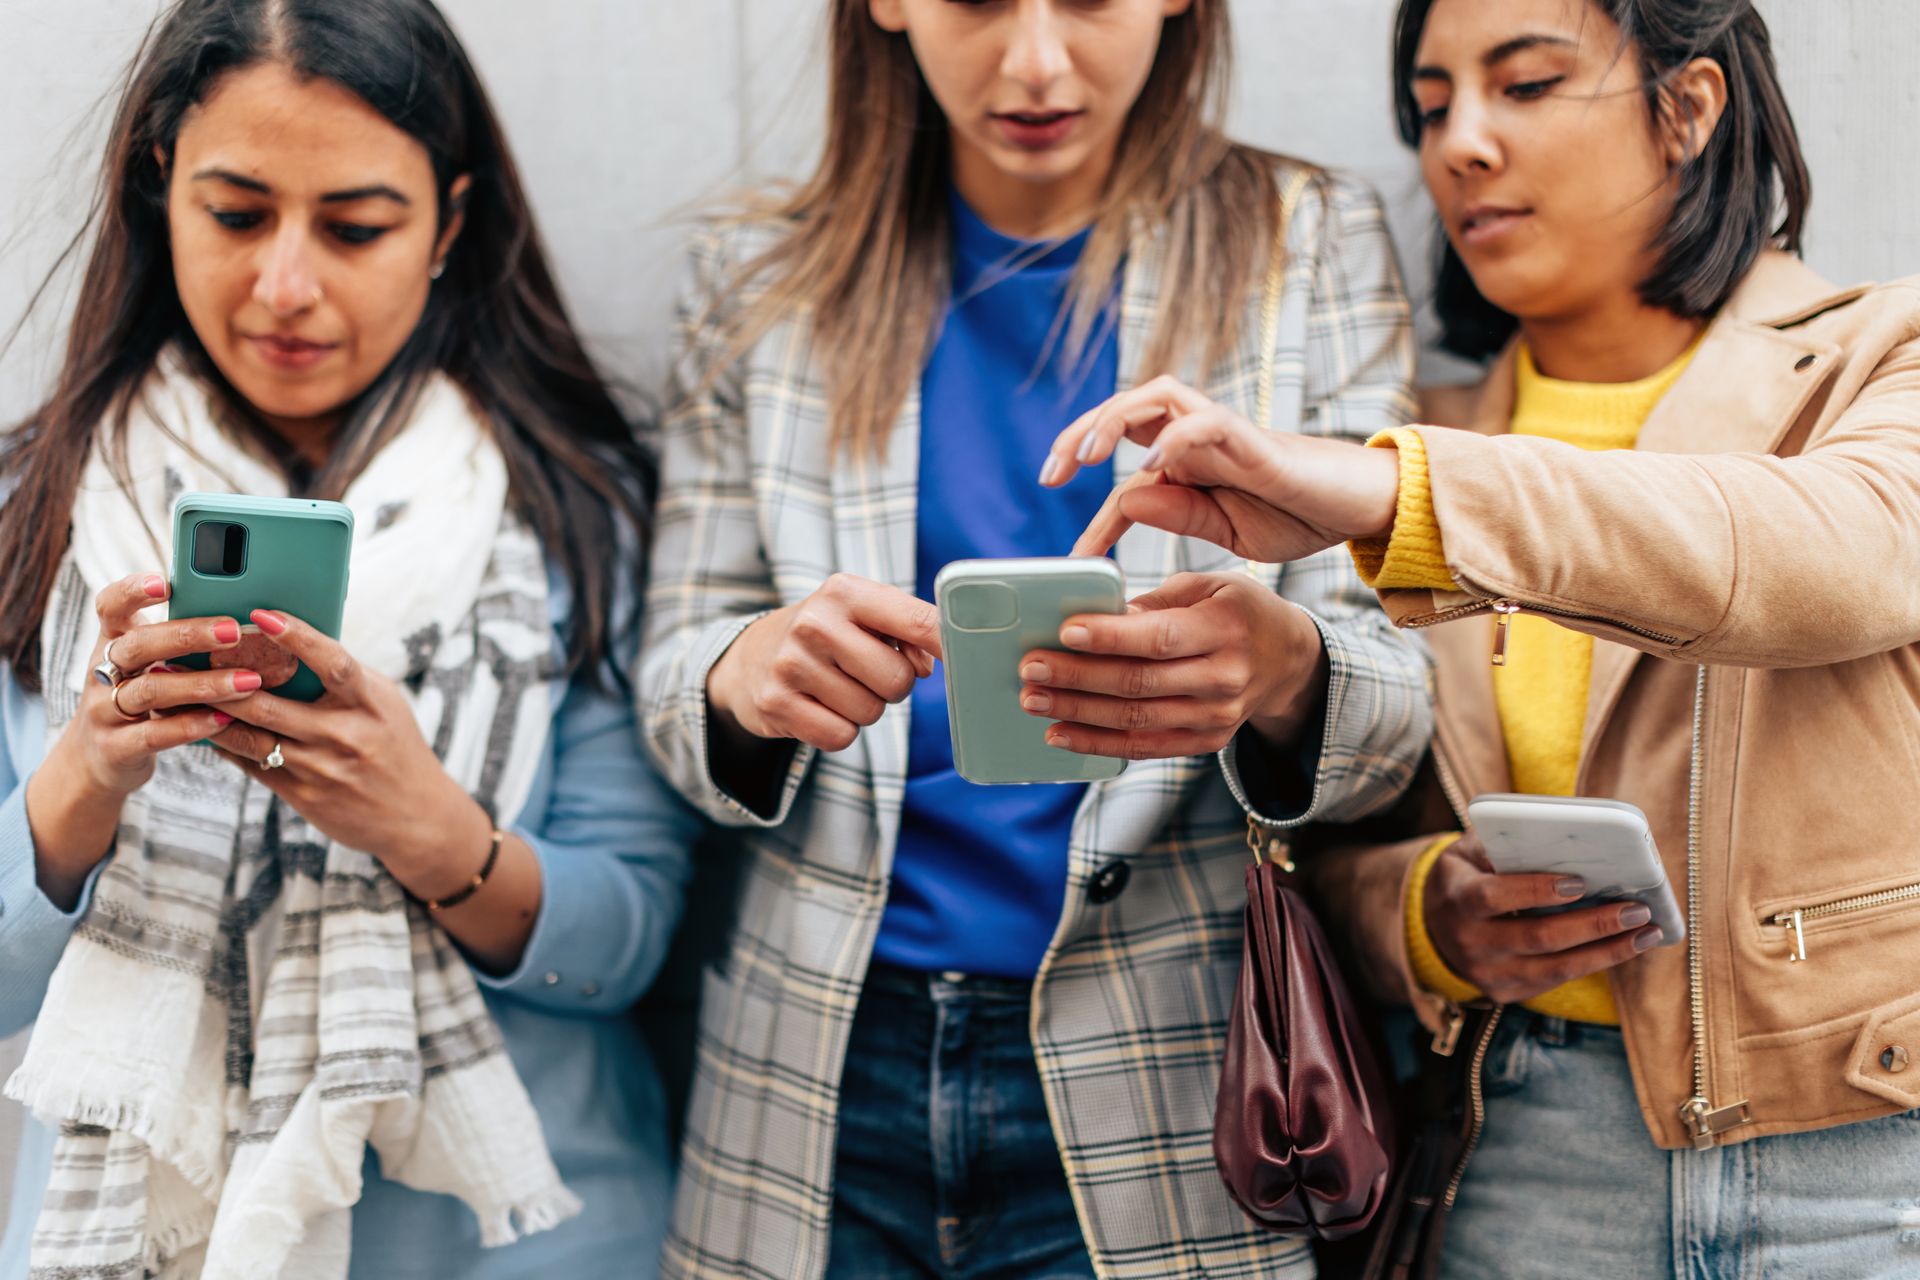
{"points": [[966, 1030], [1683, 521], [341, 992]]}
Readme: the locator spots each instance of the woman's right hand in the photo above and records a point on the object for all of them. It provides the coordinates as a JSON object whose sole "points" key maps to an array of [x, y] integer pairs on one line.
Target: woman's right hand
{"points": [[107, 751], [821, 670], [1470, 918]]}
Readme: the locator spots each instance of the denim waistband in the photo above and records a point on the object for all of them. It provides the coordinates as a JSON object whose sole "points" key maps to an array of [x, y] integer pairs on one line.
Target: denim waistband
{"points": [[947, 987]]}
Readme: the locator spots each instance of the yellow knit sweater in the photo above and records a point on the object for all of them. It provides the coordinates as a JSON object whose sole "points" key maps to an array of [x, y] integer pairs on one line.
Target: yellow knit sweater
{"points": [[1542, 690]]}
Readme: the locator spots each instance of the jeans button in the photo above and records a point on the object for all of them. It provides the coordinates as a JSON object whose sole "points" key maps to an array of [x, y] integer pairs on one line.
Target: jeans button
{"points": [[1109, 882]]}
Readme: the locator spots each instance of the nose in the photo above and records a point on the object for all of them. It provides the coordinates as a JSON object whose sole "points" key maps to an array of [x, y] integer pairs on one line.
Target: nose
{"points": [[1468, 143], [287, 283], [1037, 55]]}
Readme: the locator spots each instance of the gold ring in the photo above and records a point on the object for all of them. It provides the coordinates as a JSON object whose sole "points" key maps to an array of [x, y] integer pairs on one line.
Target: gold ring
{"points": [[114, 698]]}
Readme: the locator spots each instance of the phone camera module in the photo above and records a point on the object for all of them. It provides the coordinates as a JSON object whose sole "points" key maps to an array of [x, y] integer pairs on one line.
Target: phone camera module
{"points": [[219, 549]]}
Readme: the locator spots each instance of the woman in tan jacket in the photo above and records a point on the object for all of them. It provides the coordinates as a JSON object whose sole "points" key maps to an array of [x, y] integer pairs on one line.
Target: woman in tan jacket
{"points": [[1670, 559]]}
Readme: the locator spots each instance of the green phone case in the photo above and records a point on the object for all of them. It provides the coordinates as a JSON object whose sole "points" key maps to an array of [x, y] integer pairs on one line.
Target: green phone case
{"points": [[993, 613], [296, 558]]}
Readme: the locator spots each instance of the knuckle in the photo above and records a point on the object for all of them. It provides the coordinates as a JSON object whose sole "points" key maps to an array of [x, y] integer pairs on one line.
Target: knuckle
{"points": [[1141, 681], [839, 738], [838, 586], [1166, 638], [1138, 715], [923, 618], [1535, 937], [1138, 748], [340, 671]]}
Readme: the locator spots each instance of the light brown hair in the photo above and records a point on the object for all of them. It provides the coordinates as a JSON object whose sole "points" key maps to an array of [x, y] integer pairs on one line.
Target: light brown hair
{"points": [[867, 252]]}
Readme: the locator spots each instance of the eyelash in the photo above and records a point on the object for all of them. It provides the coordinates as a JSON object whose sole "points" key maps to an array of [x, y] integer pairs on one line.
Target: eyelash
{"points": [[352, 234], [1527, 91]]}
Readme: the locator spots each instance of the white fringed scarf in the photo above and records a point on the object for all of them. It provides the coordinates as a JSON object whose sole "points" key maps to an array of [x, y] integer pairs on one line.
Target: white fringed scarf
{"points": [[247, 1006]]}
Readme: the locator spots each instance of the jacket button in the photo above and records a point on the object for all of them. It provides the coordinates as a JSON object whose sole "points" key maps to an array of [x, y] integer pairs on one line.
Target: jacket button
{"points": [[1894, 1058], [1804, 363], [1109, 882]]}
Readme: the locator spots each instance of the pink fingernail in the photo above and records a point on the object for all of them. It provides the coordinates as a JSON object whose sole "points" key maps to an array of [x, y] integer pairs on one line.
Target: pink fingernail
{"points": [[1038, 703], [271, 623], [1087, 446], [154, 585], [227, 631], [1076, 637], [1050, 471], [222, 719], [1152, 461], [246, 681], [1036, 673], [1060, 740]]}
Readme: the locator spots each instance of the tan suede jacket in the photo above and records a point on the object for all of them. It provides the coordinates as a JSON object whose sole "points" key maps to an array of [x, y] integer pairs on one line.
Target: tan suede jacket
{"points": [[1751, 573]]}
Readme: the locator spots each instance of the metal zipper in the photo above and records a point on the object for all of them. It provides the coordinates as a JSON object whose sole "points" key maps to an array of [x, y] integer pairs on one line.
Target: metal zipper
{"points": [[1476, 1104], [1794, 919], [1702, 1118], [1508, 609]]}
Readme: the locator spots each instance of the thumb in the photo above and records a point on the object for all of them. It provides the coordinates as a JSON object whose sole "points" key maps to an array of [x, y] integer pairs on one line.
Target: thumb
{"points": [[1190, 513]]}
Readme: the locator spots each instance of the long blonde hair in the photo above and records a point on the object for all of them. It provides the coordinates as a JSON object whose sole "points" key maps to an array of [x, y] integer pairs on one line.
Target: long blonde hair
{"points": [[867, 249]]}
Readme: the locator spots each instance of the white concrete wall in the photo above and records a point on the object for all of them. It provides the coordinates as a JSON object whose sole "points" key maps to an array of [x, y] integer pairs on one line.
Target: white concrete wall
{"points": [[626, 114]]}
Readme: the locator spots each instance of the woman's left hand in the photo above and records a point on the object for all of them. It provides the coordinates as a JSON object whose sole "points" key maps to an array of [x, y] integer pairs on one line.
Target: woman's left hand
{"points": [[357, 766], [1180, 672], [1271, 496]]}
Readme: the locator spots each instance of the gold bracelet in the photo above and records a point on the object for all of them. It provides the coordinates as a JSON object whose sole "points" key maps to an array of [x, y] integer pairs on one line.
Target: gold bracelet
{"points": [[472, 886]]}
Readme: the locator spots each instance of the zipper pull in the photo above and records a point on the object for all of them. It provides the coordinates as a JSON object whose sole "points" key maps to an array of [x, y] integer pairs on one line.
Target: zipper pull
{"points": [[1447, 1038], [1791, 920], [1708, 1122], [1504, 612], [1268, 848]]}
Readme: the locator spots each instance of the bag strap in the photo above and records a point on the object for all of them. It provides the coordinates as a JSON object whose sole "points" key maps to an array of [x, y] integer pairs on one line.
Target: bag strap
{"points": [[1269, 846], [1270, 303]]}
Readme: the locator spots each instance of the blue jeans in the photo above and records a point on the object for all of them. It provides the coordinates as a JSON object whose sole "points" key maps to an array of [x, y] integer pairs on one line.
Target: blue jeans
{"points": [[1567, 1182], [947, 1165]]}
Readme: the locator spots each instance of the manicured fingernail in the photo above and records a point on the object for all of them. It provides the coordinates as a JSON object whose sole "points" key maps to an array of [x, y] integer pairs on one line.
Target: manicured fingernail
{"points": [[154, 585], [1076, 637], [222, 719], [1051, 471], [1647, 939], [1570, 887], [246, 681], [1038, 703], [1636, 915], [1037, 673], [227, 631], [1060, 740], [1152, 461], [271, 623], [1087, 446]]}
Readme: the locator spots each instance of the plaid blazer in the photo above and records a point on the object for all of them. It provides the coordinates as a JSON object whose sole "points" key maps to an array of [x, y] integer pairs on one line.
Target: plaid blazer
{"points": [[1131, 1001]]}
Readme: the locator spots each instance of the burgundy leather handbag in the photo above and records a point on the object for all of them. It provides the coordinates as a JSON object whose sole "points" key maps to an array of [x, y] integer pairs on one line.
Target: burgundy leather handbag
{"points": [[1302, 1132]]}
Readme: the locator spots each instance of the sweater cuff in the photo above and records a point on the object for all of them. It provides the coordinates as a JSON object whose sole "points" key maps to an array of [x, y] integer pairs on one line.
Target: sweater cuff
{"points": [[1428, 968], [1412, 556]]}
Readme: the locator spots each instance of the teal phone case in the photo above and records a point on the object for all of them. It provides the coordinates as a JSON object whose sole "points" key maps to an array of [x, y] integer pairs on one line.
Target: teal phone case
{"points": [[992, 614], [296, 563]]}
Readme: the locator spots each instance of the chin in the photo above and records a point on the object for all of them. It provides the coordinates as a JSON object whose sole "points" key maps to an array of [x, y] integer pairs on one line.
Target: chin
{"points": [[292, 403]]}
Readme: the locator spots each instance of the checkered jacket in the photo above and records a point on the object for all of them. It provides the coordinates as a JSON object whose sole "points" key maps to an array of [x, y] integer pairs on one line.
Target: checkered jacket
{"points": [[1131, 1001]]}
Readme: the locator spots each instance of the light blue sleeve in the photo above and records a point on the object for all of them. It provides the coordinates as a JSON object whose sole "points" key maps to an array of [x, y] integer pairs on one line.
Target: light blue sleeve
{"points": [[615, 852], [33, 931]]}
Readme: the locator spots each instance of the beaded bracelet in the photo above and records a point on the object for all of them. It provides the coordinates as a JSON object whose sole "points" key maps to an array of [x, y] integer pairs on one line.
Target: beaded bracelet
{"points": [[467, 890]]}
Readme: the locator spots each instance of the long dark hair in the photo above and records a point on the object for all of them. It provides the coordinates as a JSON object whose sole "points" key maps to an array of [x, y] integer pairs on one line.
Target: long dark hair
{"points": [[494, 323], [1750, 171]]}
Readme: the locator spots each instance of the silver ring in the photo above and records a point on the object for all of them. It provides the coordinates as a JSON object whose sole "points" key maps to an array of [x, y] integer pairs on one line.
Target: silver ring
{"points": [[274, 759], [109, 672]]}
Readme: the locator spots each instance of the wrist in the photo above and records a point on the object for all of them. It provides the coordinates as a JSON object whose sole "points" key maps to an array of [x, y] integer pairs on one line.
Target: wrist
{"points": [[1301, 688], [442, 853]]}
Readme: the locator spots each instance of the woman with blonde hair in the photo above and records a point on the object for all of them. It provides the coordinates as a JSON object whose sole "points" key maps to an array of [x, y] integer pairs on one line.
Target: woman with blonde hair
{"points": [[963, 1030]]}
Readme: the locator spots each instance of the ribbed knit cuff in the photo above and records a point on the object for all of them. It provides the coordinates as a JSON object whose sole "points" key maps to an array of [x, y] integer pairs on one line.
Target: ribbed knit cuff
{"points": [[1413, 555], [1428, 968]]}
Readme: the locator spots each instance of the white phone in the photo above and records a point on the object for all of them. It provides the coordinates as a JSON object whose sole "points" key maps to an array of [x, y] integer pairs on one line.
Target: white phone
{"points": [[1607, 843]]}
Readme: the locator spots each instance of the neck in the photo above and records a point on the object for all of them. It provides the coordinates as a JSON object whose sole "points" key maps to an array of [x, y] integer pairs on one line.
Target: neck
{"points": [[1028, 210], [1622, 343], [308, 440]]}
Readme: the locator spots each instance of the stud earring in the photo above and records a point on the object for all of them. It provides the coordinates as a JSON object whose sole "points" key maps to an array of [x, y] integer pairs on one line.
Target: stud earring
{"points": [[439, 269]]}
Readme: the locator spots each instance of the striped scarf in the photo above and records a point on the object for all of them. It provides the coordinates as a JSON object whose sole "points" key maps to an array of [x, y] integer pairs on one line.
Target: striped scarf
{"points": [[246, 1006]]}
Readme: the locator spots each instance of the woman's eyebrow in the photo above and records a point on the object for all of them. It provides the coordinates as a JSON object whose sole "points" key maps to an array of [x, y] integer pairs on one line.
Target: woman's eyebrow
{"points": [[373, 191], [1497, 55]]}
